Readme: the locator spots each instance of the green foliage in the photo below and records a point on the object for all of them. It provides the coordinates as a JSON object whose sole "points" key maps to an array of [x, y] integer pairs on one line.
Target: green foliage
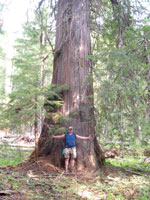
{"points": [[145, 193], [121, 82], [32, 65], [32, 97]]}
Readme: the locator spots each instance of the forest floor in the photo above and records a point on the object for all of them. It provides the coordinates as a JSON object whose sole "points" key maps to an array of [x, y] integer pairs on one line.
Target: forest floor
{"points": [[108, 183], [124, 177]]}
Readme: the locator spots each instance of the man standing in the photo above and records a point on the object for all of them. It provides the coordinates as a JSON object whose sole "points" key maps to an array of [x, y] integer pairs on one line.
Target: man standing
{"points": [[70, 146]]}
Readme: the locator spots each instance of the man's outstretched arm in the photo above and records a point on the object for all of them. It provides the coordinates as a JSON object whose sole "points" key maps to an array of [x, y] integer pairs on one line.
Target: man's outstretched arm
{"points": [[58, 136], [83, 138]]}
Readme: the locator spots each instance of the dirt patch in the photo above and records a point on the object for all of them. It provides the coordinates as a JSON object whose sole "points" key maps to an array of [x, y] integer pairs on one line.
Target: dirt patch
{"points": [[43, 165]]}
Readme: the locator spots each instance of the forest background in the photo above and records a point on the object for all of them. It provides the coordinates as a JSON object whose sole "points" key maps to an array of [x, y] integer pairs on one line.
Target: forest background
{"points": [[120, 34], [120, 58]]}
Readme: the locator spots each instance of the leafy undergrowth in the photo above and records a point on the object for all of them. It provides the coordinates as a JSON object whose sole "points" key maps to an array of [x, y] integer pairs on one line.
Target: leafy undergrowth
{"points": [[133, 163], [131, 158]]}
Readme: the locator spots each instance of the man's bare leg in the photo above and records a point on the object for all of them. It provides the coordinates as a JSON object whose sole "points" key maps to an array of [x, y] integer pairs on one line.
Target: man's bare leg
{"points": [[72, 164], [66, 164]]}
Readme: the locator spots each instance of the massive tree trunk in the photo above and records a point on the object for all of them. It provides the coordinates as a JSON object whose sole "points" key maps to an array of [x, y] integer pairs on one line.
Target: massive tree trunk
{"points": [[73, 68]]}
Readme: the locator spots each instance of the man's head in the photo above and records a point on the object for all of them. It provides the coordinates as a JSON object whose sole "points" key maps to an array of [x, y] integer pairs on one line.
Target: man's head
{"points": [[70, 129]]}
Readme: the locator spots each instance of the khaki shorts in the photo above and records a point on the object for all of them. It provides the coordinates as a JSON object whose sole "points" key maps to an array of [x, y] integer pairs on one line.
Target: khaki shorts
{"points": [[70, 152]]}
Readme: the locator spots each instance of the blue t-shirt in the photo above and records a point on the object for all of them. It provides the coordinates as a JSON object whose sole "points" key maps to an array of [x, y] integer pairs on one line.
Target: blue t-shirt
{"points": [[70, 140]]}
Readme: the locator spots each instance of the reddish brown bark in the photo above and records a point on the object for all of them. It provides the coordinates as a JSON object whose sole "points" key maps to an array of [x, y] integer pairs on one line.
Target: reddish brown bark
{"points": [[73, 68]]}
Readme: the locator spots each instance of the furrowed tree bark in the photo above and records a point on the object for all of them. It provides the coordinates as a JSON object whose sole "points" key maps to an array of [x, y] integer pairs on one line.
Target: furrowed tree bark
{"points": [[73, 68]]}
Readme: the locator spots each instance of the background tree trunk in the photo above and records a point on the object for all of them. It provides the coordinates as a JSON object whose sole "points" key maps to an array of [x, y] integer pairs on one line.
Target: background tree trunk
{"points": [[73, 68]]}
